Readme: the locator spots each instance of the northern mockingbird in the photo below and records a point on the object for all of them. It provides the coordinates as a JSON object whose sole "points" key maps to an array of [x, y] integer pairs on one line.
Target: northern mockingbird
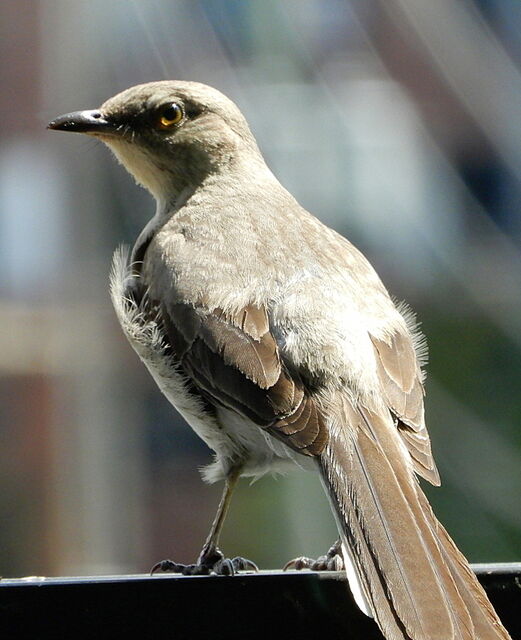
{"points": [[276, 340]]}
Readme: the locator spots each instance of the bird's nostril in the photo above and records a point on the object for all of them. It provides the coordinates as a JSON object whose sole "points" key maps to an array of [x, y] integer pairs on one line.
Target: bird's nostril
{"points": [[96, 114]]}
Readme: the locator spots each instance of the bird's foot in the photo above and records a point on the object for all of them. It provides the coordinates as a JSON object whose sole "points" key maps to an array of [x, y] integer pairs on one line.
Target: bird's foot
{"points": [[211, 561], [332, 561]]}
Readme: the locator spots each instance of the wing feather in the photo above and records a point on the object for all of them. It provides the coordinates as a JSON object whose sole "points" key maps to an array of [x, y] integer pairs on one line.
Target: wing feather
{"points": [[234, 360], [400, 379]]}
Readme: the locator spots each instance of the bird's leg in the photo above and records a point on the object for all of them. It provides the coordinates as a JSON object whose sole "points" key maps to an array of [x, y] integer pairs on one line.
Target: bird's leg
{"points": [[211, 559], [332, 561], [210, 552]]}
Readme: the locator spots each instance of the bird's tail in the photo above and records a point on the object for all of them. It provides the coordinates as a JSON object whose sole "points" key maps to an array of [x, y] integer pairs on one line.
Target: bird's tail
{"points": [[413, 579]]}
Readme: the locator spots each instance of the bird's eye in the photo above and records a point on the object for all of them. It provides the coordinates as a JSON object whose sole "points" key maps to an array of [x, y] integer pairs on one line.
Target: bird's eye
{"points": [[169, 116]]}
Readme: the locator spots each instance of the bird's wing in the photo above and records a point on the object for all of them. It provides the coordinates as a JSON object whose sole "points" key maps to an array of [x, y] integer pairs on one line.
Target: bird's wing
{"points": [[402, 389], [234, 361]]}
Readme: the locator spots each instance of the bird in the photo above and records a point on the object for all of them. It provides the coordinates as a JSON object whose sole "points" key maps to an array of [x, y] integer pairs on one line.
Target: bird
{"points": [[276, 340]]}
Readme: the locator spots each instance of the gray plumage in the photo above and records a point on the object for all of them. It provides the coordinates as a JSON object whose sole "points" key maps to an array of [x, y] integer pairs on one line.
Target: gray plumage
{"points": [[276, 340]]}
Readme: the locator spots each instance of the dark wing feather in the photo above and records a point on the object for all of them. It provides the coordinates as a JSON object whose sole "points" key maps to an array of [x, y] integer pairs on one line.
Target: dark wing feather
{"points": [[234, 360], [258, 359], [399, 376]]}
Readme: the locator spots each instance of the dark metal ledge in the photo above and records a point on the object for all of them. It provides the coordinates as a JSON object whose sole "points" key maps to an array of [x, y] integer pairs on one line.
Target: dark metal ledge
{"points": [[265, 605]]}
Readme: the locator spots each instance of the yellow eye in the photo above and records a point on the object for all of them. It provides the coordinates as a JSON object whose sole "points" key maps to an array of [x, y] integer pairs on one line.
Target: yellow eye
{"points": [[169, 116]]}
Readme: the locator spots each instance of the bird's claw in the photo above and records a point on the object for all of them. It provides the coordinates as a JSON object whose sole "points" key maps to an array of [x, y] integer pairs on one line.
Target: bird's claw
{"points": [[211, 561], [231, 566], [332, 561], [297, 564], [168, 566]]}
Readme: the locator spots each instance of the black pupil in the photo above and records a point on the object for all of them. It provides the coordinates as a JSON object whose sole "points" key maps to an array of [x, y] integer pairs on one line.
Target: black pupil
{"points": [[171, 112]]}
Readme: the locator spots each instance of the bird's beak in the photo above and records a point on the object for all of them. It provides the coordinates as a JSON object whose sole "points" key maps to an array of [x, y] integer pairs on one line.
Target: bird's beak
{"points": [[93, 122]]}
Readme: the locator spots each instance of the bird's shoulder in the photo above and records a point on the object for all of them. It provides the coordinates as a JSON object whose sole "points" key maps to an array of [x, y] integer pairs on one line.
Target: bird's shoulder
{"points": [[258, 243]]}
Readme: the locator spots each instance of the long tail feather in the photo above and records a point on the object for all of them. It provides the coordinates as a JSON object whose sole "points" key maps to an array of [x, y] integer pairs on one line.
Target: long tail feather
{"points": [[416, 583], [485, 620]]}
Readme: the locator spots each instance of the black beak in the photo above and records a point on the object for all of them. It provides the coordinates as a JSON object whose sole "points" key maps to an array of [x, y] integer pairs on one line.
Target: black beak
{"points": [[82, 122]]}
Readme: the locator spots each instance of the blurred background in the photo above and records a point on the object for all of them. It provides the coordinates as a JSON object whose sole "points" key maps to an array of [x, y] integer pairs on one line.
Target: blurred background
{"points": [[397, 122]]}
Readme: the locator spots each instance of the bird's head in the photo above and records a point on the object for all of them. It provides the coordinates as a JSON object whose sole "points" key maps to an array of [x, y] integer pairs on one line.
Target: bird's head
{"points": [[169, 135]]}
